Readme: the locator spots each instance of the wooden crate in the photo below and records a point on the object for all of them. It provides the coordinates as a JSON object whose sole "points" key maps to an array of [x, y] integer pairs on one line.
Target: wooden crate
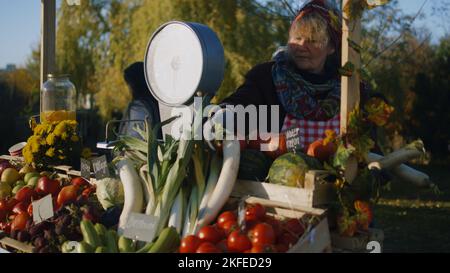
{"points": [[316, 239], [12, 245], [317, 191], [357, 243], [68, 172]]}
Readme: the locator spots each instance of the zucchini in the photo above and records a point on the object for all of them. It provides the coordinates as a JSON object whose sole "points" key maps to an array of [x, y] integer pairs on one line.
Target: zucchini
{"points": [[90, 236], [126, 245], [101, 231], [111, 241], [168, 241]]}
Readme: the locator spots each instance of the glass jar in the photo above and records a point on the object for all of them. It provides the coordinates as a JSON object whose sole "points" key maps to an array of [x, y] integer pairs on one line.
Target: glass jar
{"points": [[58, 99]]}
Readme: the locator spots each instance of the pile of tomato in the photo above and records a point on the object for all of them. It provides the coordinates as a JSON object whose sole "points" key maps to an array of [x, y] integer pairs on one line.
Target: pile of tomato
{"points": [[260, 233]]}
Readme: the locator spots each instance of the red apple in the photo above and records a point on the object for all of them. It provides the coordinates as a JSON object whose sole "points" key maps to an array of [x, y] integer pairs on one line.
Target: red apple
{"points": [[46, 186], [20, 207], [26, 194]]}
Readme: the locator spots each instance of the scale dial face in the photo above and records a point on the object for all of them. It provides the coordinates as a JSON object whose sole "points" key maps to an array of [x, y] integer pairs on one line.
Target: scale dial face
{"points": [[174, 64]]}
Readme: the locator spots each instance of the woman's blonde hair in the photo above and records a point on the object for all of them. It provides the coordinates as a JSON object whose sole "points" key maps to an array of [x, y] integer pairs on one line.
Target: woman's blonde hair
{"points": [[313, 28]]}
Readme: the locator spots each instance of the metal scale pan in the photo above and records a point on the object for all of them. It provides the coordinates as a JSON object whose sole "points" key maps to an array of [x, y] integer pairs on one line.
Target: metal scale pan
{"points": [[182, 58]]}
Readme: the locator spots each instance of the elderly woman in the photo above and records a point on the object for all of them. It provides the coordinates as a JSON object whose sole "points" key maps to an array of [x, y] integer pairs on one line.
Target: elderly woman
{"points": [[303, 79]]}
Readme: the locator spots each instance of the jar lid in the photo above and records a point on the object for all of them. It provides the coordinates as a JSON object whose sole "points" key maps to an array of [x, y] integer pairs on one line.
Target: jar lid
{"points": [[17, 148], [54, 76]]}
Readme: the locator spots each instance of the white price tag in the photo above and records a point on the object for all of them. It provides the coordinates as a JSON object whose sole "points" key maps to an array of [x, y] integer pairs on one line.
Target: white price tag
{"points": [[42, 209], [141, 227]]}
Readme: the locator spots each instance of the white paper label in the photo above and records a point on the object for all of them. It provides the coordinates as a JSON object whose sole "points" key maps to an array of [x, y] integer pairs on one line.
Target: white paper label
{"points": [[141, 227], [42, 209]]}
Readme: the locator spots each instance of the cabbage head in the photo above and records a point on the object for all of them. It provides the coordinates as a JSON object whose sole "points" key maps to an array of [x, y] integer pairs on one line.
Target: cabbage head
{"points": [[109, 192]]}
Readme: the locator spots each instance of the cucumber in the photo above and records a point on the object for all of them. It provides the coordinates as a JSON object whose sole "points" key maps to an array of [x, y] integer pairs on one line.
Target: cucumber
{"points": [[146, 248], [101, 231], [168, 241], [126, 245], [84, 247], [89, 234], [111, 241], [101, 249]]}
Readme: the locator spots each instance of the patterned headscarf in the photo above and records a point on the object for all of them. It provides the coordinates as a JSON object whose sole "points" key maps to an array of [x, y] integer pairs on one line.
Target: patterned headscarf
{"points": [[300, 98], [331, 16]]}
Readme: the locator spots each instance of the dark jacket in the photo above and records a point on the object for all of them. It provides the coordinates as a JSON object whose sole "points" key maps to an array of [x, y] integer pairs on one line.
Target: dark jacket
{"points": [[259, 89]]}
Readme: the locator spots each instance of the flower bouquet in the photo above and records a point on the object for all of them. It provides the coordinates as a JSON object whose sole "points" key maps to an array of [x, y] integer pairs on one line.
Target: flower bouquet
{"points": [[53, 143]]}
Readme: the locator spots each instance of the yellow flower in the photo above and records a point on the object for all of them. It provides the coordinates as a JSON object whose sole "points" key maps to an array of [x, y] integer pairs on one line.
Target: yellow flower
{"points": [[50, 139], [74, 138], [50, 152], [60, 129], [61, 157], [28, 156], [34, 142], [50, 127], [39, 129], [64, 136]]}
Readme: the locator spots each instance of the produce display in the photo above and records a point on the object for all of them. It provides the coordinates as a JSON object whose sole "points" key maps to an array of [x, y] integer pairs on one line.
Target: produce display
{"points": [[182, 186], [258, 232]]}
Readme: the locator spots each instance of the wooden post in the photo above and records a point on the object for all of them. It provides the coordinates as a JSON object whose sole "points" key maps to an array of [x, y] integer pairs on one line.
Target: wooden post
{"points": [[351, 29], [48, 35]]}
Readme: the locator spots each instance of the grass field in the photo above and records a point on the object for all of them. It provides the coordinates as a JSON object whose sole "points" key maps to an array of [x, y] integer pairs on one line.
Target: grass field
{"points": [[416, 220]]}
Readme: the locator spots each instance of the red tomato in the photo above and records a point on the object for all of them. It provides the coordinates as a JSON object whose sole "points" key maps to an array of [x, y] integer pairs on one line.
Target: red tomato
{"points": [[20, 221], [20, 207], [294, 226], [255, 212], [209, 234], [238, 242], [46, 186], [222, 245], [263, 249], [225, 217], [281, 248], [276, 225], [263, 234], [26, 194], [66, 195], [229, 226], [207, 247], [80, 182], [189, 244], [287, 239]]}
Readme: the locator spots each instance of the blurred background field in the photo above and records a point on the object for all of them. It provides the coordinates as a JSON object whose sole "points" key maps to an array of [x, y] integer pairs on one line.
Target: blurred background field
{"points": [[416, 220]]}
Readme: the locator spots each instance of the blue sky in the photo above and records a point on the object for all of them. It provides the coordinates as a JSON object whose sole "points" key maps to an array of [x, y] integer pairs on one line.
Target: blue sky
{"points": [[20, 26]]}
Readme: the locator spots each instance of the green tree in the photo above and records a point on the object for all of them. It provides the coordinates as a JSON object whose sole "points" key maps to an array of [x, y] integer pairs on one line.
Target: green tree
{"points": [[430, 113], [79, 32]]}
